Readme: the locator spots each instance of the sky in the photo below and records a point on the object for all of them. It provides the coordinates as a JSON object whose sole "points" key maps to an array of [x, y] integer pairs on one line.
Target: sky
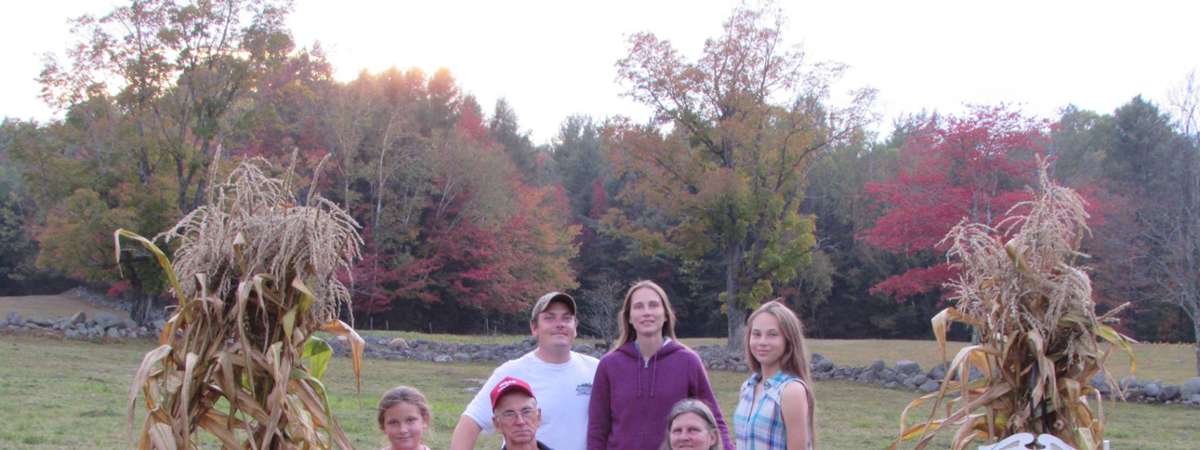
{"points": [[552, 59]]}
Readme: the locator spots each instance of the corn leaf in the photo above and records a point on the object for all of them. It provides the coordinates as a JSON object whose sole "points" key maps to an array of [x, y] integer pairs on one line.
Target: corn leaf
{"points": [[318, 353]]}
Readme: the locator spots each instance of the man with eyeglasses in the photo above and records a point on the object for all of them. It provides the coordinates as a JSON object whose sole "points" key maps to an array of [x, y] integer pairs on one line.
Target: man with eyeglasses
{"points": [[516, 415], [561, 377]]}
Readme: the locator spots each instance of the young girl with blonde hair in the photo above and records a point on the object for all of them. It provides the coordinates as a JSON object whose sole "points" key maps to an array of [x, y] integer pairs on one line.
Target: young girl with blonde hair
{"points": [[775, 406]]}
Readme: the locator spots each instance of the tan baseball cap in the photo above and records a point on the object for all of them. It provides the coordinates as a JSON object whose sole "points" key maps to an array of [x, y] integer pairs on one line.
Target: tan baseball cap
{"points": [[545, 301]]}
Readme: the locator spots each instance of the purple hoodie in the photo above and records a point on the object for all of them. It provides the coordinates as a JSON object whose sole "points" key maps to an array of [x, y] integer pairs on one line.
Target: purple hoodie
{"points": [[632, 397]]}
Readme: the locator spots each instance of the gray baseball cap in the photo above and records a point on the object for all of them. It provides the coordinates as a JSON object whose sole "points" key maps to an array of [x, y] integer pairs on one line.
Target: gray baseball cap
{"points": [[545, 301]]}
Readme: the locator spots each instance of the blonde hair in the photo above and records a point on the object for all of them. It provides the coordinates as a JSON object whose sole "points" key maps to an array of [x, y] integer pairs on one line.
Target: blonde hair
{"points": [[627, 333], [699, 408], [795, 353], [403, 394]]}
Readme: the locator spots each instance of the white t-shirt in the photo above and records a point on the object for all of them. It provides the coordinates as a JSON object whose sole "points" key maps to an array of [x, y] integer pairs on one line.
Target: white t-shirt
{"points": [[562, 392]]}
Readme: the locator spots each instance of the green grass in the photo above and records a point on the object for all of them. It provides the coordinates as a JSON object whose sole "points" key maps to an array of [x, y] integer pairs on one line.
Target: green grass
{"points": [[1172, 363], [69, 394]]}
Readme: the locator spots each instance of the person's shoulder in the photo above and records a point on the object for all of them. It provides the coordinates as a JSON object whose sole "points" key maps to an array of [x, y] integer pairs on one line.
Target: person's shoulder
{"points": [[616, 354], [685, 353], [794, 388], [516, 365], [583, 358]]}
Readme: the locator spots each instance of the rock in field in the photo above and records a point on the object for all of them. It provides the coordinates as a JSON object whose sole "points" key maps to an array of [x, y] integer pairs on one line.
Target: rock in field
{"points": [[908, 368], [1190, 387], [1169, 392], [1151, 390], [78, 318]]}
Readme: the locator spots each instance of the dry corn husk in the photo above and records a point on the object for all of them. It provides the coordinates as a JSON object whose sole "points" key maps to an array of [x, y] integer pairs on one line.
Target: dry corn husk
{"points": [[1040, 340], [255, 277]]}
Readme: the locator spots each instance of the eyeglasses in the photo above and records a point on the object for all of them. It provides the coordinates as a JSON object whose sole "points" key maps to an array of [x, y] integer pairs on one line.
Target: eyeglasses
{"points": [[525, 413]]}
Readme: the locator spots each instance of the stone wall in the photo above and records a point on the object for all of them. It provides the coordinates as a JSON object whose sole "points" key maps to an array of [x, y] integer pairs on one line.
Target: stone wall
{"points": [[903, 375], [80, 326]]}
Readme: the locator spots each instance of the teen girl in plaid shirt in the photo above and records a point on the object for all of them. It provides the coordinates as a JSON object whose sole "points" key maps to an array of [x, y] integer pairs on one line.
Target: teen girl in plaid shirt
{"points": [[775, 408]]}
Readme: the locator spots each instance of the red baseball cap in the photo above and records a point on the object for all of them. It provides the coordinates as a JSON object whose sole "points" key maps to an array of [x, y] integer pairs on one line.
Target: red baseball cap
{"points": [[508, 385]]}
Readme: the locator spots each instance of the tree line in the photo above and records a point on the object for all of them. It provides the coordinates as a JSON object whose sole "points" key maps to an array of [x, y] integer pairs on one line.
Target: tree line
{"points": [[748, 182]]}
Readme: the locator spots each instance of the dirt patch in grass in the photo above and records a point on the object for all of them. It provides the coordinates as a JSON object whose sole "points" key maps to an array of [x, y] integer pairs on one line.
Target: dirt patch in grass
{"points": [[53, 307]]}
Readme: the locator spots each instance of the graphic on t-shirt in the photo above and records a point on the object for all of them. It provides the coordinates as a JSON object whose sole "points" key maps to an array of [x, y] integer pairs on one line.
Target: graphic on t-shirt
{"points": [[584, 389]]}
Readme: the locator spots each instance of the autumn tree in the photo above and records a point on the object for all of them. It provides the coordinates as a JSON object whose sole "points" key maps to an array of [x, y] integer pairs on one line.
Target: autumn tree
{"points": [[724, 158], [1081, 142], [176, 69], [1158, 167], [73, 239], [974, 167], [504, 129], [600, 307], [17, 249], [453, 231]]}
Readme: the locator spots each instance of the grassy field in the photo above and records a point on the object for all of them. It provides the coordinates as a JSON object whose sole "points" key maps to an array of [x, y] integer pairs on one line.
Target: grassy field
{"points": [[68, 394], [1171, 363], [53, 307]]}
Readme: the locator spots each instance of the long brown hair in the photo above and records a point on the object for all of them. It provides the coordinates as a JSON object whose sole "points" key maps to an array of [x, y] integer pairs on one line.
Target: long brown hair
{"points": [[627, 333], [795, 353]]}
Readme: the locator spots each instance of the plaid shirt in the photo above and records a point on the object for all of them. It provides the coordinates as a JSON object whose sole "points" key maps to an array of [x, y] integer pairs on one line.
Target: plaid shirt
{"points": [[760, 426]]}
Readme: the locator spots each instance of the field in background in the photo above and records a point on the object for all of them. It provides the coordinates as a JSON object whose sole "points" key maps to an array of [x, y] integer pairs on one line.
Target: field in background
{"points": [[53, 307], [68, 394], [1171, 363]]}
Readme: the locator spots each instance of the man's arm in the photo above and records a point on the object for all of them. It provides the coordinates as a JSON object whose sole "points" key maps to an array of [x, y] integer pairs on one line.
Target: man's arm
{"points": [[476, 417], [465, 434]]}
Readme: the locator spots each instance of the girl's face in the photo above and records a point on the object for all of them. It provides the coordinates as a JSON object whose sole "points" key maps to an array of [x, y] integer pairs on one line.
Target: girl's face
{"points": [[646, 312], [404, 426], [766, 340], [690, 431]]}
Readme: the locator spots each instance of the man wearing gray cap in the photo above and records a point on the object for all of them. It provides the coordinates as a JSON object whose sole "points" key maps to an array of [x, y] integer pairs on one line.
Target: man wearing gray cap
{"points": [[561, 378]]}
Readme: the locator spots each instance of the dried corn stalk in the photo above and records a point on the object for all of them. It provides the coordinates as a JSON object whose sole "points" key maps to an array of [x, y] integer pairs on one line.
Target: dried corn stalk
{"points": [[255, 276], [1040, 342]]}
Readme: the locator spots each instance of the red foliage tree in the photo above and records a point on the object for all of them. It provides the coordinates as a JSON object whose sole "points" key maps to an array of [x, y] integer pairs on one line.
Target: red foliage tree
{"points": [[484, 239], [974, 168]]}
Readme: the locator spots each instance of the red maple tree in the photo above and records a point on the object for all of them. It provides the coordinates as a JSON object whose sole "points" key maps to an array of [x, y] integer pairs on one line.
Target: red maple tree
{"points": [[974, 167]]}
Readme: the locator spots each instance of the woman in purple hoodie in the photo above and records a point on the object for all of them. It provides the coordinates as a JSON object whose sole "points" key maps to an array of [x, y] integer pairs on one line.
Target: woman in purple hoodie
{"points": [[643, 376]]}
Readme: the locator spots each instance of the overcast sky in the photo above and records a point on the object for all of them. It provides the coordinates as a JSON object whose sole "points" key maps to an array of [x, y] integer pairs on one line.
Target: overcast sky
{"points": [[551, 59]]}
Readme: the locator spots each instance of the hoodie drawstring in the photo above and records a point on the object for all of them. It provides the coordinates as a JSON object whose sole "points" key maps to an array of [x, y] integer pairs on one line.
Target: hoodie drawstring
{"points": [[654, 371], [639, 384]]}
